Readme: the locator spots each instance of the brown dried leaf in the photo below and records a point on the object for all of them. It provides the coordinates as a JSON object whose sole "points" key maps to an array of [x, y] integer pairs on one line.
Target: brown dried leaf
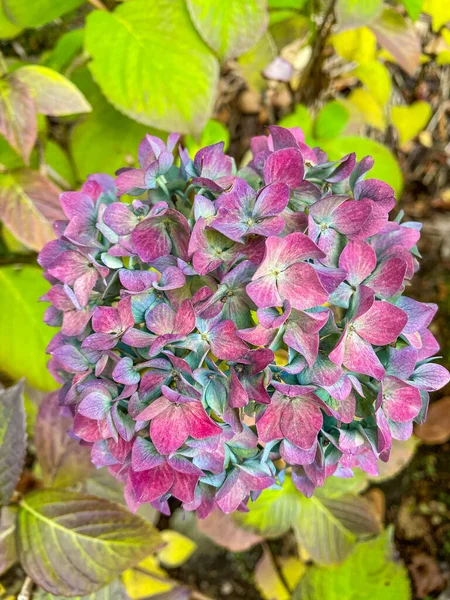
{"points": [[29, 203], [399, 37], [18, 116], [426, 575], [224, 531], [436, 429]]}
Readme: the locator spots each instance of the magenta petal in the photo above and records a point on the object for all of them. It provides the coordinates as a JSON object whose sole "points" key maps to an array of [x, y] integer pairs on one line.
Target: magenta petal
{"points": [[301, 421], [120, 218], [387, 279], [376, 190], [76, 204], [106, 319], [152, 484], [350, 216], [285, 166], [381, 324], [300, 285], [360, 357], [225, 344], [200, 425], [268, 425], [272, 200], [401, 402], [169, 429], [129, 180], [359, 260], [232, 492], [161, 319], [184, 486], [144, 455], [238, 397]]}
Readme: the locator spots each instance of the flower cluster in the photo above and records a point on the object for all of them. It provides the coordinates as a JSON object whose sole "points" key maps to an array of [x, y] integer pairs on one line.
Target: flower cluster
{"points": [[219, 327]]}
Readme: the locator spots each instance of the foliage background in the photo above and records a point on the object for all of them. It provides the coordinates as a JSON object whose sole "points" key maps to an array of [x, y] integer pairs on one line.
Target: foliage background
{"points": [[82, 82]]}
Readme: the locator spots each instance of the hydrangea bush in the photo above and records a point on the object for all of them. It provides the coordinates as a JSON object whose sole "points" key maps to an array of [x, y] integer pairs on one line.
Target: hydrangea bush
{"points": [[221, 328]]}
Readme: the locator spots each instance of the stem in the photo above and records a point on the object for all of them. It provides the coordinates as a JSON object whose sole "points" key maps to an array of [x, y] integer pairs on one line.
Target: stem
{"points": [[98, 4], [25, 592], [268, 551]]}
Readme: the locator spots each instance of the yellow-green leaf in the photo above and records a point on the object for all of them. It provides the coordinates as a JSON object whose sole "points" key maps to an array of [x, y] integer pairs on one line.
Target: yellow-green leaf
{"points": [[37, 12], [376, 78], [53, 93], [178, 549], [355, 45], [18, 123], [152, 65], [229, 28], [24, 335], [439, 11], [253, 62], [367, 105], [354, 13], [410, 120], [8, 29], [147, 580], [213, 133], [386, 167], [369, 572]]}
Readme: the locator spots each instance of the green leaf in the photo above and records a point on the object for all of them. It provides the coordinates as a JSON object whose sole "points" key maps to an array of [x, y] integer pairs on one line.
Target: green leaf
{"points": [[327, 525], [299, 118], [354, 13], [287, 4], [385, 168], [29, 203], [292, 27], [8, 551], [63, 461], [73, 544], [105, 140], [53, 93], [178, 549], [439, 12], [410, 120], [59, 167], [369, 573], [38, 12], [8, 30], [18, 123], [413, 8], [253, 62], [66, 49], [24, 335], [398, 36], [331, 120], [152, 64], [376, 78], [13, 440], [230, 28], [113, 591], [213, 133]]}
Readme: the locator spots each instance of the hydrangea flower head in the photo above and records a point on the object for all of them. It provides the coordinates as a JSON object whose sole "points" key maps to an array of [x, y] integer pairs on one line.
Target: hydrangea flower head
{"points": [[221, 327]]}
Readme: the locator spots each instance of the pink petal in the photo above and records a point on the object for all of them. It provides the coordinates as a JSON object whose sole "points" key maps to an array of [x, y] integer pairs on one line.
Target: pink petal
{"points": [[381, 324], [285, 166], [359, 260]]}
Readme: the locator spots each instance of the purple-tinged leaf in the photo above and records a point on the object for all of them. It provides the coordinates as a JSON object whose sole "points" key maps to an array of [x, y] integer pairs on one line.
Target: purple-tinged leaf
{"points": [[13, 440], [63, 461], [101, 539]]}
